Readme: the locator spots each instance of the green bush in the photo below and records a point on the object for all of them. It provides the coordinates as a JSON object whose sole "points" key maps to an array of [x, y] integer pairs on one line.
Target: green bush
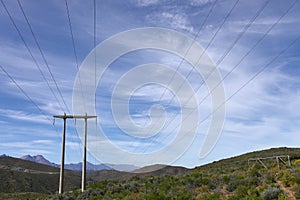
{"points": [[296, 162], [254, 172], [235, 183], [271, 193], [226, 179], [287, 178]]}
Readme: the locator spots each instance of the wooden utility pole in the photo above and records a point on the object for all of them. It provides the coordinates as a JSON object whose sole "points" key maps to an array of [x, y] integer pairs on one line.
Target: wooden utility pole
{"points": [[61, 176], [62, 165]]}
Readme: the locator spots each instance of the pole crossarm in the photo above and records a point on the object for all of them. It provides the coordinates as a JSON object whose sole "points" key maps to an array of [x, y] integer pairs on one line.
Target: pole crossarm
{"points": [[61, 176], [74, 116]]}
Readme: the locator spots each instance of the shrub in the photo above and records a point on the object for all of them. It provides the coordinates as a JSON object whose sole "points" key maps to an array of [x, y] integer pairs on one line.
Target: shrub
{"points": [[282, 197], [214, 196], [296, 162], [254, 172], [226, 179], [271, 193], [234, 183], [287, 178]]}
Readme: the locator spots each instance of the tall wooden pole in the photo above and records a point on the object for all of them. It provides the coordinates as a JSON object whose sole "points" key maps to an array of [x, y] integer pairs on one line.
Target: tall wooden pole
{"points": [[62, 163], [83, 180]]}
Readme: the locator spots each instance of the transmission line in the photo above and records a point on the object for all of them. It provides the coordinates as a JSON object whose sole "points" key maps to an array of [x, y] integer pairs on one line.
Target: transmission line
{"points": [[94, 45], [246, 83], [253, 47], [249, 51], [29, 98], [30, 52], [33, 58], [23, 92], [243, 32], [231, 47], [72, 35], [208, 45], [187, 51], [74, 51], [35, 61], [253, 77], [44, 59], [42, 54]]}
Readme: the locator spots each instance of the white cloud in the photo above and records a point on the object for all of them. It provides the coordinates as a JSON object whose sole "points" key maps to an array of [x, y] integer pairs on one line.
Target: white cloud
{"points": [[34, 147], [177, 21], [24, 116], [73, 145], [199, 2], [147, 2], [264, 109], [43, 142]]}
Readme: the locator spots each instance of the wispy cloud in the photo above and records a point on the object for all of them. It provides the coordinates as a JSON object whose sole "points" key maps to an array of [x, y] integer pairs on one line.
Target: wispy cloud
{"points": [[147, 2], [23, 116], [199, 2], [264, 109], [177, 21]]}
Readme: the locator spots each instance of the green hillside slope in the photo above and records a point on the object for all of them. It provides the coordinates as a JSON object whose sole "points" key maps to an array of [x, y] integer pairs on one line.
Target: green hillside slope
{"points": [[19, 175], [230, 179]]}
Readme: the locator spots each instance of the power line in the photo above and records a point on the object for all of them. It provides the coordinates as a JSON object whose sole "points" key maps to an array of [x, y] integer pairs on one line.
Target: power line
{"points": [[44, 59], [29, 51], [28, 97], [249, 51], [72, 35], [34, 60], [74, 51], [23, 91], [42, 54], [189, 48], [254, 76], [230, 48], [257, 73], [94, 45], [187, 51], [208, 45], [210, 42], [253, 47], [243, 32], [216, 33], [95, 52], [247, 82]]}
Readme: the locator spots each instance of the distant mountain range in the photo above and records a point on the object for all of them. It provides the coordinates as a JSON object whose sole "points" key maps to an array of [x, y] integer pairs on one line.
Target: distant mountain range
{"points": [[78, 166]]}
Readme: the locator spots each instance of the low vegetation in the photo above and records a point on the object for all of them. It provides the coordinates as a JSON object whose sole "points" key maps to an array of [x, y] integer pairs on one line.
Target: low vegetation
{"points": [[230, 179]]}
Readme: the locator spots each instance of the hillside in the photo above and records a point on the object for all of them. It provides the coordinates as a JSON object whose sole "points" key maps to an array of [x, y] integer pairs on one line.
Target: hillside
{"points": [[230, 179], [241, 161], [19, 175]]}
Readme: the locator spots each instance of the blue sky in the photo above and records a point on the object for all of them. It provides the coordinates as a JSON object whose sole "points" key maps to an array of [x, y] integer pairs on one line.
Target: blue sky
{"points": [[263, 114]]}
